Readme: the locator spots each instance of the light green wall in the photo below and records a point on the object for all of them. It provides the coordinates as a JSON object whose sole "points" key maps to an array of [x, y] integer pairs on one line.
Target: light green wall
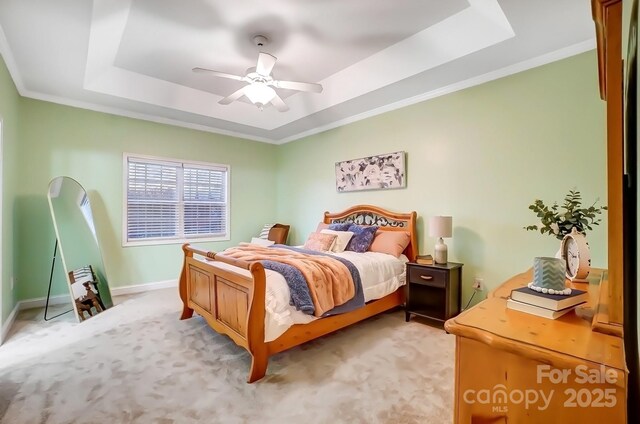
{"points": [[481, 155], [88, 146], [9, 105]]}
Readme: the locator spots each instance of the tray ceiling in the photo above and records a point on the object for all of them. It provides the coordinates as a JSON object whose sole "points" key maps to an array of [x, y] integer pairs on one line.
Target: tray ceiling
{"points": [[134, 57]]}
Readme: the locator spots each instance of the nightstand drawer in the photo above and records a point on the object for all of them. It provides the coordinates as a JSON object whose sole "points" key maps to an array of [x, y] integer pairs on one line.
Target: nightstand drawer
{"points": [[427, 276]]}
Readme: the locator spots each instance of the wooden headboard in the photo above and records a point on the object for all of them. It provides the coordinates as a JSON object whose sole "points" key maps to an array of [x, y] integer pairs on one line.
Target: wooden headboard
{"points": [[384, 219]]}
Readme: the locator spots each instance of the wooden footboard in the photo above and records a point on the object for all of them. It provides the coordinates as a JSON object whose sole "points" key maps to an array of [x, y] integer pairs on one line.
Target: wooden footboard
{"points": [[230, 295]]}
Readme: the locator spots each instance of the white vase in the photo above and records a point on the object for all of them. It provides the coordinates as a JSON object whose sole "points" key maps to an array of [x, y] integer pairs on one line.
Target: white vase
{"points": [[440, 252]]}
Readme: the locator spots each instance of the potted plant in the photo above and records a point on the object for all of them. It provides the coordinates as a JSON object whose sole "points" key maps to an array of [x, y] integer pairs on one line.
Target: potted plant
{"points": [[558, 220]]}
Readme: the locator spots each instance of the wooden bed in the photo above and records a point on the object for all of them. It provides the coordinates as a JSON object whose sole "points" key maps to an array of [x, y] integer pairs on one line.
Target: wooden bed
{"points": [[232, 298]]}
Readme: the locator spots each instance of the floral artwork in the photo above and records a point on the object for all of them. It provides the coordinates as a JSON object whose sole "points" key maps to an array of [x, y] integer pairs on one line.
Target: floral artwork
{"points": [[371, 173]]}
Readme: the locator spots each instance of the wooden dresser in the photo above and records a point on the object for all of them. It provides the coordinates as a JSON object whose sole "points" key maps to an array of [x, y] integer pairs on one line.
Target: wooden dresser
{"points": [[519, 368]]}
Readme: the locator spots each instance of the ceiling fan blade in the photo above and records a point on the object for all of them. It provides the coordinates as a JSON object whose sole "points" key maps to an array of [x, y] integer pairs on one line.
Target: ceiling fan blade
{"points": [[233, 96], [218, 74], [279, 104], [300, 86], [265, 64]]}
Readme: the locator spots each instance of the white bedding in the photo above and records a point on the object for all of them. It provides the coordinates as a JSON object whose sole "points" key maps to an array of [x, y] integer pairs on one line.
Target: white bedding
{"points": [[381, 274]]}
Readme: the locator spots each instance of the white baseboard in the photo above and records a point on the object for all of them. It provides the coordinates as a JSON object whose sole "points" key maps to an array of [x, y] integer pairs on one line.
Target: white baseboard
{"points": [[6, 327], [40, 302], [139, 288]]}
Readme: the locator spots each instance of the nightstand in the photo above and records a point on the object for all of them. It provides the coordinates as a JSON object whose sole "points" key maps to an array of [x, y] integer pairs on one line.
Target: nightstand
{"points": [[433, 291]]}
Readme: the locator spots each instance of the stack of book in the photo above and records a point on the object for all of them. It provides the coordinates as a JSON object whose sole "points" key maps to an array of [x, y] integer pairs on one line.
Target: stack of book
{"points": [[424, 259], [545, 305]]}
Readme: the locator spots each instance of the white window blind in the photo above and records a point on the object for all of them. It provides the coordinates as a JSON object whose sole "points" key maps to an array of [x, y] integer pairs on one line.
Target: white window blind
{"points": [[205, 206], [85, 208], [168, 200]]}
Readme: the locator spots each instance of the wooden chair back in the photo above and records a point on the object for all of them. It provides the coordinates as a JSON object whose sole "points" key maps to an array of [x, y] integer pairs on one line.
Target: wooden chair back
{"points": [[279, 233]]}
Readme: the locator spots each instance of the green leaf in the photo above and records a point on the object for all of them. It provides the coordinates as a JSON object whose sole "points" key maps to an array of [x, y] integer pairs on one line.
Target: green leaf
{"points": [[567, 215]]}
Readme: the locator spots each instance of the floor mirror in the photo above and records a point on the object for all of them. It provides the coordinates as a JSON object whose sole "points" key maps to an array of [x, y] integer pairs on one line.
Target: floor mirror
{"points": [[78, 247]]}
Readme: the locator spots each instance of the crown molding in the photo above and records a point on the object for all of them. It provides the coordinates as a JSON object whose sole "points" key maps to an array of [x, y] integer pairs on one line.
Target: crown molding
{"points": [[544, 59]]}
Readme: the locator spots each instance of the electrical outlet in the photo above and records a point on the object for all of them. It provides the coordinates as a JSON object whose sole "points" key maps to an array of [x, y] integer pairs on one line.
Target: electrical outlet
{"points": [[478, 284]]}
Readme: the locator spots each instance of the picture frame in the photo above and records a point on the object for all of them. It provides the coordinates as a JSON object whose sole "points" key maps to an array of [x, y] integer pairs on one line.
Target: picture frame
{"points": [[380, 172]]}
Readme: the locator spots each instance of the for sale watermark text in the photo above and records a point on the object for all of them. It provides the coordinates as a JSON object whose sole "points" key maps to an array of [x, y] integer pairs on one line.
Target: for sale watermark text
{"points": [[594, 390], [580, 375]]}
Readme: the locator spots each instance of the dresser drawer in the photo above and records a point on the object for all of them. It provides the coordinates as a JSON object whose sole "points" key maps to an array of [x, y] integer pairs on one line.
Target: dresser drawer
{"points": [[427, 276]]}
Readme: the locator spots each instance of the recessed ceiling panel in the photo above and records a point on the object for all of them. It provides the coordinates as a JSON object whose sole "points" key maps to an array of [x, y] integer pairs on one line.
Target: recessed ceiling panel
{"points": [[134, 57], [474, 28], [164, 39]]}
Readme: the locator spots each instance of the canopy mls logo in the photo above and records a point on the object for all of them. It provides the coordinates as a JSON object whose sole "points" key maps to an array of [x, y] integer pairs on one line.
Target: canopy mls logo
{"points": [[500, 398]]}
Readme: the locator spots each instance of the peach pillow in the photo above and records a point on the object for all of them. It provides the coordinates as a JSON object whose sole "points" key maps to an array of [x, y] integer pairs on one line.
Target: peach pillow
{"points": [[390, 242], [320, 242]]}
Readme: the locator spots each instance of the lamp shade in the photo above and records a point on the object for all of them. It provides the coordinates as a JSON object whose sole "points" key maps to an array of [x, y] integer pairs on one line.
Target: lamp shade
{"points": [[440, 226]]}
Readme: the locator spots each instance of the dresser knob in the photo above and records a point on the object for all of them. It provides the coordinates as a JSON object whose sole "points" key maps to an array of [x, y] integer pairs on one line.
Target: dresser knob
{"points": [[426, 277]]}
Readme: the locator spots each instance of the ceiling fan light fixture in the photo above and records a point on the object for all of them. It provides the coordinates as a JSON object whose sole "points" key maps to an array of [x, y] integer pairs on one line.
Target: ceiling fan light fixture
{"points": [[260, 82], [259, 93]]}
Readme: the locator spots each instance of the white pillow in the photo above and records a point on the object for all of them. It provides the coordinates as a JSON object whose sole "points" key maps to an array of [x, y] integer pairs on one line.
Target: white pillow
{"points": [[342, 239], [264, 234], [261, 242]]}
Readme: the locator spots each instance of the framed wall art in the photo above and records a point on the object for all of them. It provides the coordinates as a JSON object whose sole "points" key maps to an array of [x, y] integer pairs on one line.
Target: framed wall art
{"points": [[378, 172]]}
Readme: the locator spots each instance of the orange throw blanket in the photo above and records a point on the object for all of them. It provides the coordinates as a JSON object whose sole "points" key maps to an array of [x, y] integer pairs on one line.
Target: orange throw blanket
{"points": [[329, 280]]}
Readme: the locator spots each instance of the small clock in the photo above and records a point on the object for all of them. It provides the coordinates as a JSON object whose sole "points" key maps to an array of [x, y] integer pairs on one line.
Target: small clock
{"points": [[575, 251]]}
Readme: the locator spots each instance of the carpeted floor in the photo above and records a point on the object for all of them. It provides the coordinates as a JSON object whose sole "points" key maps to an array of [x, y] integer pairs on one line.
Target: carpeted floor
{"points": [[137, 363]]}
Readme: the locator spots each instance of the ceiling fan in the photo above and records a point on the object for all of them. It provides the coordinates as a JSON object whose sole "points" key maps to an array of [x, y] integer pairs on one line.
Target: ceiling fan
{"points": [[260, 88]]}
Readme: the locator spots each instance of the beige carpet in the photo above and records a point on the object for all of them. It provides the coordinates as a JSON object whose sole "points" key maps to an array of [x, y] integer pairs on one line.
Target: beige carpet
{"points": [[137, 363]]}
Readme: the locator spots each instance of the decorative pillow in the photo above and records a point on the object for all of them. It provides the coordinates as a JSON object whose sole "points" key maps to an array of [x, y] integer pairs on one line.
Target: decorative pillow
{"points": [[390, 242], [261, 241], [264, 234], [362, 237], [340, 226], [342, 239], [320, 242]]}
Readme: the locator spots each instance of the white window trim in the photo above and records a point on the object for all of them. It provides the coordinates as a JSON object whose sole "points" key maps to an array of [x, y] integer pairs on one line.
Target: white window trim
{"points": [[161, 241]]}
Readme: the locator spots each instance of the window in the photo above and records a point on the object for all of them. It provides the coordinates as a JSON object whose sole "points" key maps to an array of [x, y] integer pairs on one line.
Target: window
{"points": [[172, 202], [85, 208]]}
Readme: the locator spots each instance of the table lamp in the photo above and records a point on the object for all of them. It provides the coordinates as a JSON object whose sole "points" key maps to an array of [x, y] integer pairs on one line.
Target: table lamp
{"points": [[440, 226]]}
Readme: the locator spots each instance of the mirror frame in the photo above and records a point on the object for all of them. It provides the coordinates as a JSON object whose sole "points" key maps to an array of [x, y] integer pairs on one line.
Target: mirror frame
{"points": [[61, 250]]}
